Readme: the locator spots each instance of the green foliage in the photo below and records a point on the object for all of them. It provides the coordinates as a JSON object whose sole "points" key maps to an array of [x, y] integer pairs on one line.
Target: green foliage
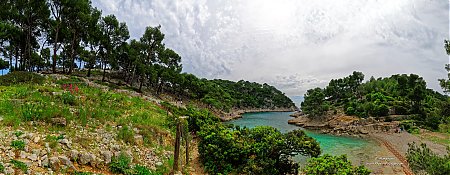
{"points": [[121, 165], [2, 168], [18, 133], [445, 83], [18, 144], [19, 165], [261, 150], [395, 95], [68, 98], [142, 170], [421, 159], [315, 104], [18, 77], [53, 140], [126, 134], [328, 164], [4, 64]]}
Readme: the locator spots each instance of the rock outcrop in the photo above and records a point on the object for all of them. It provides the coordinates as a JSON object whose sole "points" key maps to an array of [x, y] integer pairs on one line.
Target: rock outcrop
{"points": [[344, 125]]}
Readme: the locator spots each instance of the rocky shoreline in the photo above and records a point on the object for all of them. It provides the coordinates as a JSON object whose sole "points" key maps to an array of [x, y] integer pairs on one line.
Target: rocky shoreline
{"points": [[341, 124], [237, 113]]}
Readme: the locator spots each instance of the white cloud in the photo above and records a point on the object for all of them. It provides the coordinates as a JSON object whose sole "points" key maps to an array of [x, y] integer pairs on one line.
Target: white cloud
{"points": [[296, 45]]}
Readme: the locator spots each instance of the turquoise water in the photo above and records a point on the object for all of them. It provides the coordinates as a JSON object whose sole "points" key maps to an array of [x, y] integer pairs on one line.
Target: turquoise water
{"points": [[355, 148]]}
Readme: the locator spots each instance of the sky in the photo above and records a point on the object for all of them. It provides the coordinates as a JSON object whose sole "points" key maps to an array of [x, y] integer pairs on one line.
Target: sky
{"points": [[296, 45]]}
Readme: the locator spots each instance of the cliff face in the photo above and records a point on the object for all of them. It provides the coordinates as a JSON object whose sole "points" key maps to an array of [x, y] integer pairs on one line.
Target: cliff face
{"points": [[344, 125]]}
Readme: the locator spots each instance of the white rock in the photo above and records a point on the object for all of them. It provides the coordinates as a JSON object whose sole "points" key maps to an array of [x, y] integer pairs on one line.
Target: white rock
{"points": [[23, 155], [33, 157], [159, 164], [36, 139]]}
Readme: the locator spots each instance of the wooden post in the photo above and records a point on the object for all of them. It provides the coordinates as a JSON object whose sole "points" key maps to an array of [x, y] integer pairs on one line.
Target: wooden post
{"points": [[186, 139], [177, 149]]}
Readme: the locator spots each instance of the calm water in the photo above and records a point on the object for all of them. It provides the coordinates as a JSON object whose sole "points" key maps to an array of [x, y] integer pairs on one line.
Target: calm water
{"points": [[355, 148]]}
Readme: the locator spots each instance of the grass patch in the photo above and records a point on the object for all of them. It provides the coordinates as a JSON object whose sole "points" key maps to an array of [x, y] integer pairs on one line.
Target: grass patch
{"points": [[53, 140], [18, 133], [19, 165], [126, 134], [18, 144], [2, 168], [18, 77], [121, 165]]}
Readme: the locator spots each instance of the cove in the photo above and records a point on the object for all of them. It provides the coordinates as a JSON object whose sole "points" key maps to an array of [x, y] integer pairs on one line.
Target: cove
{"points": [[357, 149]]}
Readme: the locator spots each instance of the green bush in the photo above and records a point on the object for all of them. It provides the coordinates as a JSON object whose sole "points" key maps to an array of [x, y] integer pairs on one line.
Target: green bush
{"points": [[2, 168], [19, 165], [141, 170], [121, 165], [422, 159], [17, 77], [18, 133], [328, 164], [18, 144], [68, 98], [350, 111]]}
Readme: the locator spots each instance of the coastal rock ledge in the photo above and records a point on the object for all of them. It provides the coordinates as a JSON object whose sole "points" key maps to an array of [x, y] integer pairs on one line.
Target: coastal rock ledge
{"points": [[341, 124]]}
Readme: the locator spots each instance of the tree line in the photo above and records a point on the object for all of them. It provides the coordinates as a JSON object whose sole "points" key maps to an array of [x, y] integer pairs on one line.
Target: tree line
{"points": [[60, 35], [382, 97]]}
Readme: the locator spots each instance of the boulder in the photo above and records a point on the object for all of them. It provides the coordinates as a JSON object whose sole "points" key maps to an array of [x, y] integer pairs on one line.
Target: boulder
{"points": [[86, 158], [66, 162], [59, 121], [73, 154], [106, 155], [54, 162]]}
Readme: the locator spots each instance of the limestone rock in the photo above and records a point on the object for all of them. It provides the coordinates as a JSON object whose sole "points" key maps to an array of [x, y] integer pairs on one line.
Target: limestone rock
{"points": [[86, 158], [73, 154], [66, 162], [33, 157], [45, 162], [54, 162], [106, 155], [59, 121], [9, 170]]}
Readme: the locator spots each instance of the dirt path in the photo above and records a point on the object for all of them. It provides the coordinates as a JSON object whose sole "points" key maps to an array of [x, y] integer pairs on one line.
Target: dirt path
{"points": [[399, 156]]}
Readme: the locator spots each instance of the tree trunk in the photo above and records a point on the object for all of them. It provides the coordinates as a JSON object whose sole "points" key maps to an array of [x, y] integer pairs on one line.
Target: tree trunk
{"points": [[17, 58], [140, 83], [55, 49], [104, 71], [72, 53], [89, 72]]}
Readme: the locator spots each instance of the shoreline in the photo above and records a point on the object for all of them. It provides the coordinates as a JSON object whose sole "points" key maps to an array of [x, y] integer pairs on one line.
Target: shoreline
{"points": [[236, 114]]}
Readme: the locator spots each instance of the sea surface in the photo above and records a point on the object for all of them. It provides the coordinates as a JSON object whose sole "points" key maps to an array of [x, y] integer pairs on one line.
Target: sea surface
{"points": [[357, 149]]}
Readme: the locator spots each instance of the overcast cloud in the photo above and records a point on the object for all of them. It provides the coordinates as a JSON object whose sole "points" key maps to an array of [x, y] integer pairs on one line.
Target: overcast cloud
{"points": [[296, 45]]}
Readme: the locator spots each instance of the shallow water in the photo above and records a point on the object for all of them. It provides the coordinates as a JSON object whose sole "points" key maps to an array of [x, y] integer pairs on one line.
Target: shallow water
{"points": [[357, 149]]}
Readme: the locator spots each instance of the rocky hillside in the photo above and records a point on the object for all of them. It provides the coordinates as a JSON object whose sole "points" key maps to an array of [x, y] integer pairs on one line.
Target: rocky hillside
{"points": [[69, 125]]}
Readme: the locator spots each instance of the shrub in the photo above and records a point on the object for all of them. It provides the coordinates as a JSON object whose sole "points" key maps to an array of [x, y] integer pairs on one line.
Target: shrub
{"points": [[2, 168], [126, 134], [18, 133], [141, 170], [18, 77], [350, 111], [68, 98], [328, 164], [121, 165], [19, 165], [422, 159], [18, 144]]}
